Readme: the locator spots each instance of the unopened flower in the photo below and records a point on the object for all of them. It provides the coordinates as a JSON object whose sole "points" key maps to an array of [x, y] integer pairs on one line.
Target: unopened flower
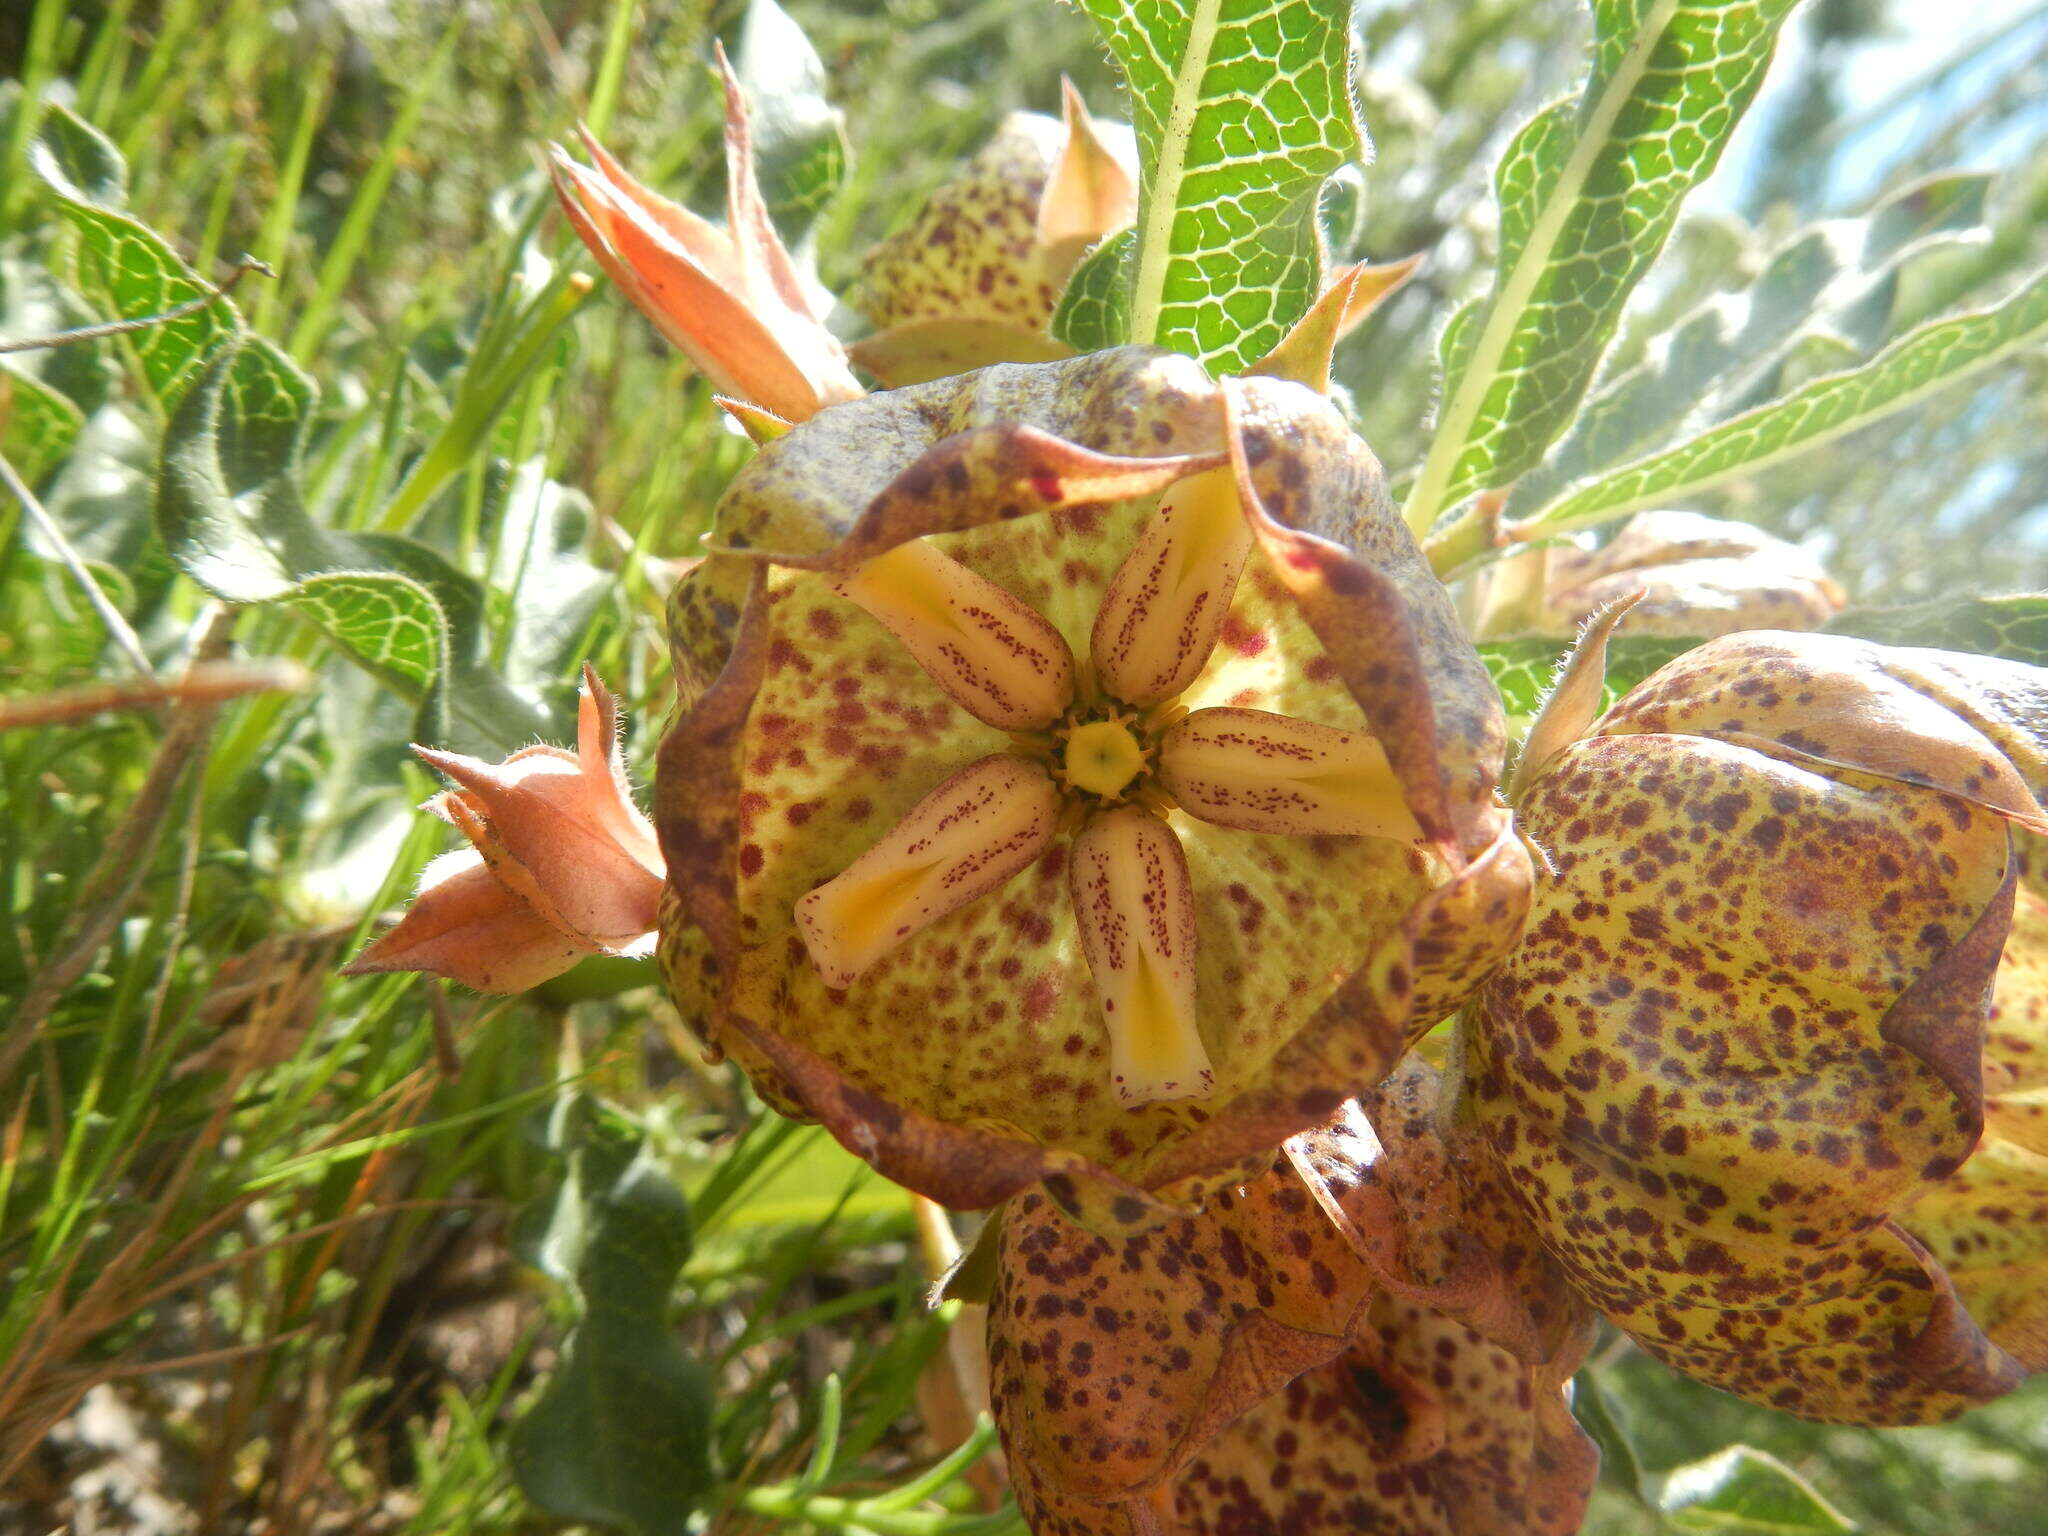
{"points": [[561, 865], [1695, 575], [1744, 1030], [733, 299], [1096, 788], [974, 277]]}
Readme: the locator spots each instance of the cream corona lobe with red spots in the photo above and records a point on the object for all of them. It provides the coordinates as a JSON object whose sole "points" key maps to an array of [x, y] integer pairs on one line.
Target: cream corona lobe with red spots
{"points": [[1736, 1070], [1082, 780]]}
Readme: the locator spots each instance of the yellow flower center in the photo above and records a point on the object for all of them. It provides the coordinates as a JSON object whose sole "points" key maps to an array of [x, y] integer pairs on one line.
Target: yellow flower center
{"points": [[1102, 757]]}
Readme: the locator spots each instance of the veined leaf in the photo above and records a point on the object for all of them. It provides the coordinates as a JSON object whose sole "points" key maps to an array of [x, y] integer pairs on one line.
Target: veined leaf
{"points": [[126, 265], [1242, 109], [1937, 354], [621, 1434], [1094, 311], [2015, 628], [38, 426], [230, 513], [1588, 193], [1830, 287]]}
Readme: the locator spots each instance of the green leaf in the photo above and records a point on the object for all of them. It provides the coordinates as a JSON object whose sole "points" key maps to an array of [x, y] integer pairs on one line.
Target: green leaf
{"points": [[1606, 1419], [799, 136], [1742, 1491], [229, 510], [125, 265], [1937, 354], [79, 162], [1830, 289], [621, 1434], [38, 426], [2015, 628], [1242, 109], [1588, 192], [1094, 312]]}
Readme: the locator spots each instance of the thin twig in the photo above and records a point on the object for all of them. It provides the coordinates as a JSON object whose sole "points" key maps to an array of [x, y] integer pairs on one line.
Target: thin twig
{"points": [[125, 638], [210, 680], [191, 306]]}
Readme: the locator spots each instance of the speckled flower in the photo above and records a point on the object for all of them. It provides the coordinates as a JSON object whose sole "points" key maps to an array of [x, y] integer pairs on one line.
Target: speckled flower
{"points": [[952, 628], [1341, 1344], [1744, 1031]]}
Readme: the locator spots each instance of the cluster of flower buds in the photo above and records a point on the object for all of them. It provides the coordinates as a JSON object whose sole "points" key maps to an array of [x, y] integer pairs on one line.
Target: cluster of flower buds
{"points": [[1083, 799]]}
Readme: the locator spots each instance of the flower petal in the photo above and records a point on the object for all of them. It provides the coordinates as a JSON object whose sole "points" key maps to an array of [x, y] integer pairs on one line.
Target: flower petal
{"points": [[1090, 192], [988, 652], [918, 351], [1698, 576], [1435, 1230], [981, 475], [1165, 605], [958, 843], [1973, 726], [1261, 772], [1422, 1429], [465, 925], [974, 251], [1303, 354], [1136, 909], [734, 346], [1987, 1225], [1111, 1361], [2016, 1042], [561, 829]]}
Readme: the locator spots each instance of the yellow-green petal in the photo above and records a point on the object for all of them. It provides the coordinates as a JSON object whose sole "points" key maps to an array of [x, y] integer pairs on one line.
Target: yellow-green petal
{"points": [[1135, 908]]}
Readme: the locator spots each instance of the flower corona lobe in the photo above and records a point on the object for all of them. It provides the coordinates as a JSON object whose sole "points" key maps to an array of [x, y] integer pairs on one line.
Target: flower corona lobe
{"points": [[1135, 907], [959, 842]]}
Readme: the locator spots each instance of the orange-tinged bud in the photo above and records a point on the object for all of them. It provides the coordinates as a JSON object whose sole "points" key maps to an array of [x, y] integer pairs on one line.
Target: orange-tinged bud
{"points": [[958, 843], [1160, 617], [1135, 906], [1262, 772], [466, 925], [564, 864], [991, 654], [732, 299]]}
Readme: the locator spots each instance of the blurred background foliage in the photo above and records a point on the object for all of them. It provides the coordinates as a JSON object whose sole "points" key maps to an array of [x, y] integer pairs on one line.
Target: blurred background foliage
{"points": [[285, 1251]]}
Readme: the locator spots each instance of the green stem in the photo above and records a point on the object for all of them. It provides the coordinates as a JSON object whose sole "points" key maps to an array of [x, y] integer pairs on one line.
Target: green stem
{"points": [[611, 68], [1463, 543], [478, 401]]}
